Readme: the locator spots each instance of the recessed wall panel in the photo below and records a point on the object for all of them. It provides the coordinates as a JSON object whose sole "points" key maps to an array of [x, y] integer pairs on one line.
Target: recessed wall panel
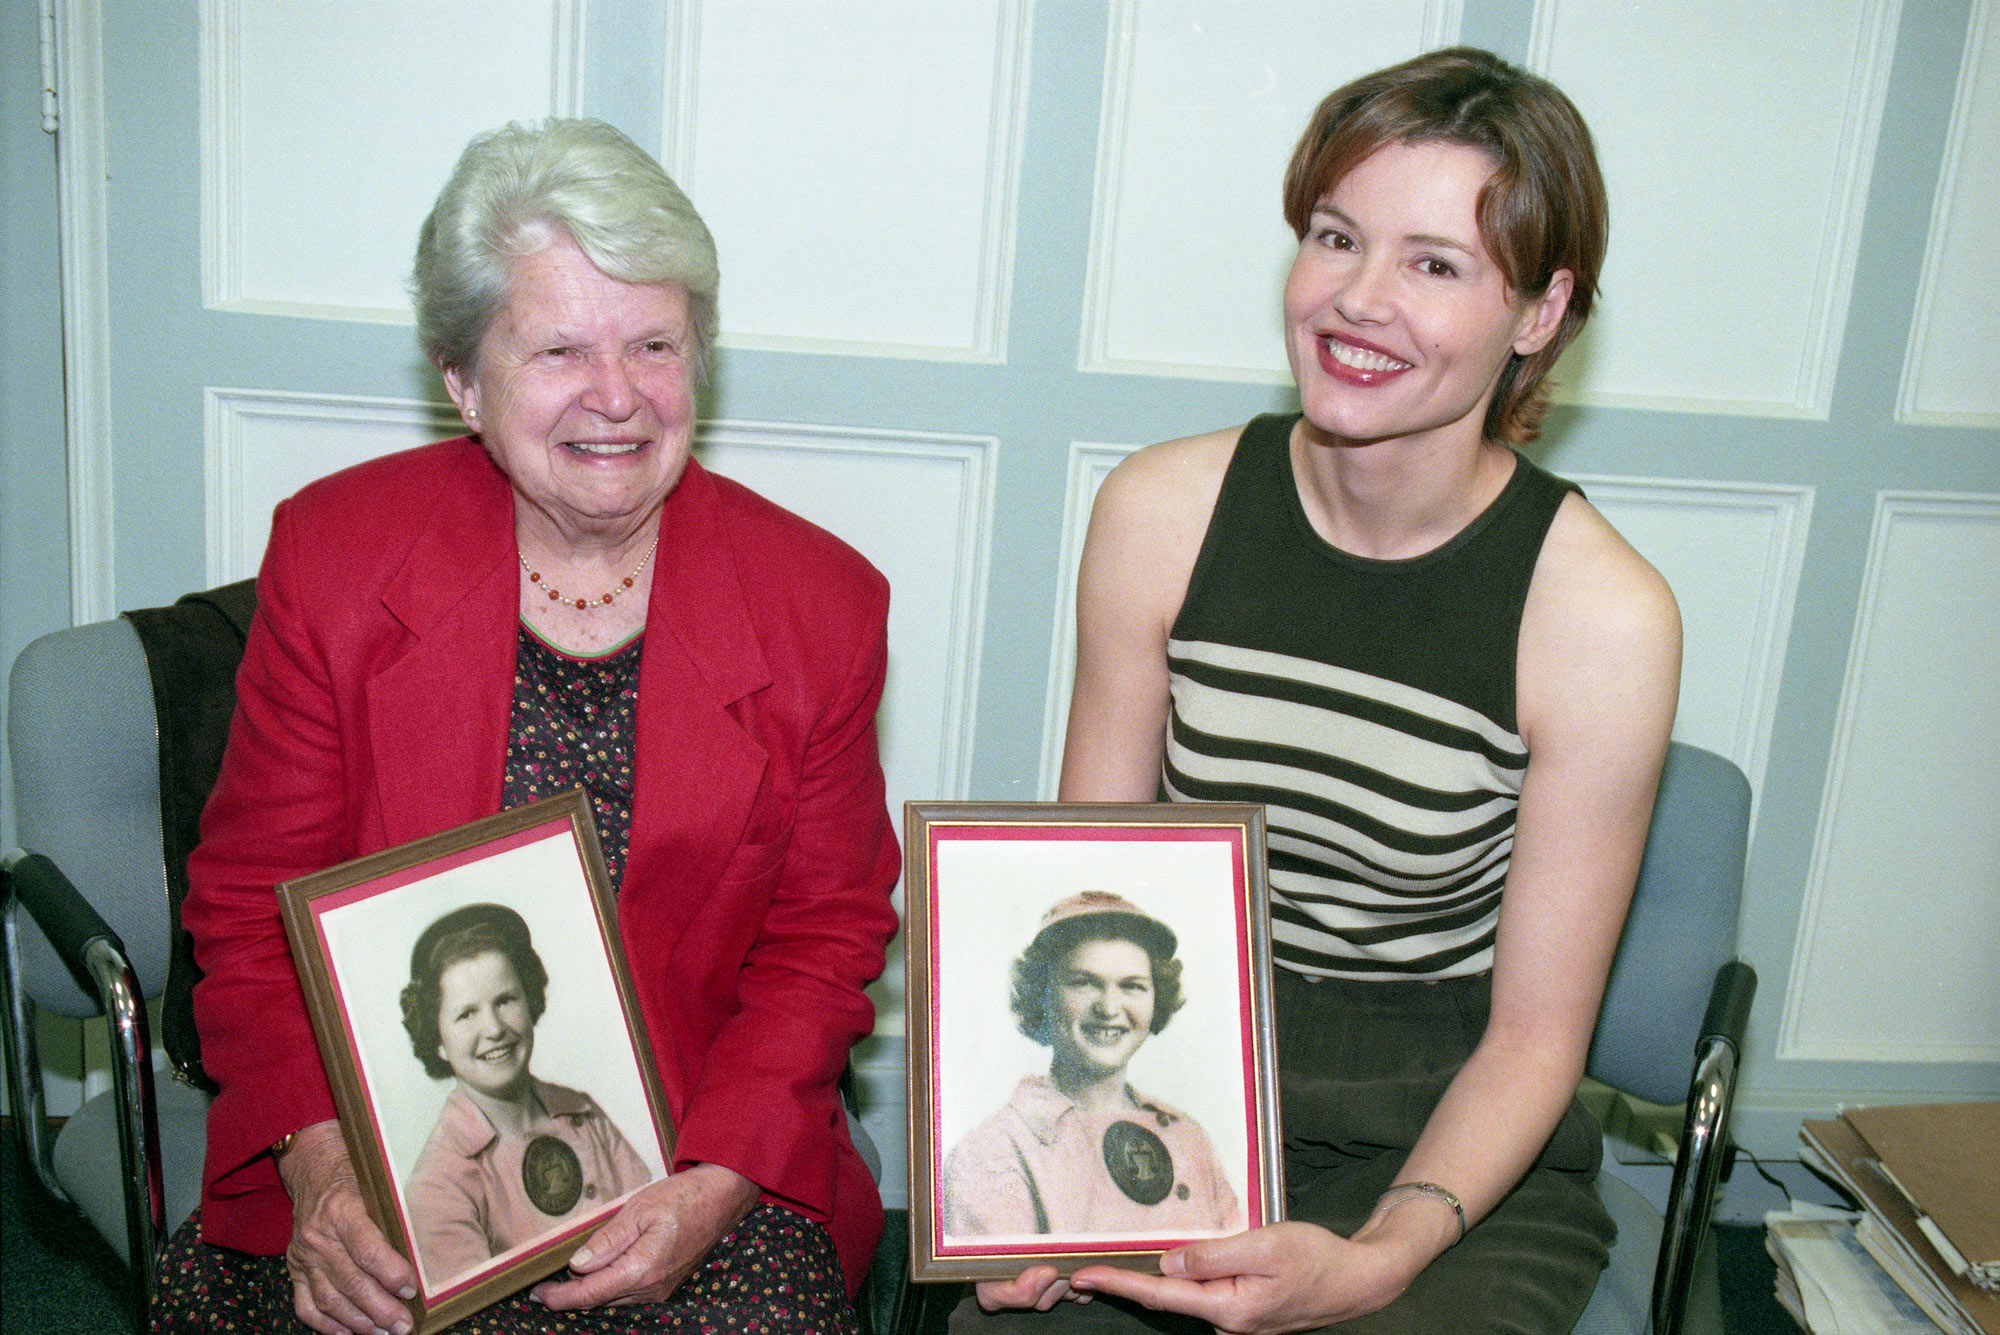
{"points": [[1732, 553], [919, 507], [262, 445], [1898, 951], [327, 130], [1737, 142], [1952, 375], [858, 165], [1203, 100]]}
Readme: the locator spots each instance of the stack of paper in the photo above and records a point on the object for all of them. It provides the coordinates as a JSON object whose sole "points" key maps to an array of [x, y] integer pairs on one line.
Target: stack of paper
{"points": [[1930, 1147], [1945, 1160], [1829, 1284]]}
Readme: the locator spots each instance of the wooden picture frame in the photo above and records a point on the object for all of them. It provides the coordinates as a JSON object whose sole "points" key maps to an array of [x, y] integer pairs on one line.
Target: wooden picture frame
{"points": [[457, 908], [1034, 926]]}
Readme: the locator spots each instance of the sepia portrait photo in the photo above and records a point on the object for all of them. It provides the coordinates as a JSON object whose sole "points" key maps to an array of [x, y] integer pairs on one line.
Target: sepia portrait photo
{"points": [[1093, 1079], [469, 998]]}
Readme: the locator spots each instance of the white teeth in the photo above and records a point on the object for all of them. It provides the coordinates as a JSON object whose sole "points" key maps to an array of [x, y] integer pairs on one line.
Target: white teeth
{"points": [[1362, 360], [602, 446]]}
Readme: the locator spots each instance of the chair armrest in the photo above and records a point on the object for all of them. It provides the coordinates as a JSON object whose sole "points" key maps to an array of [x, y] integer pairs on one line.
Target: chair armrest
{"points": [[1698, 1164], [64, 915], [1729, 1001], [93, 952]]}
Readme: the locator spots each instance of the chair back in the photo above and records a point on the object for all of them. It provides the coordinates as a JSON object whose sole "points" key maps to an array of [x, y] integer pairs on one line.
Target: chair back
{"points": [[1681, 930], [84, 738]]}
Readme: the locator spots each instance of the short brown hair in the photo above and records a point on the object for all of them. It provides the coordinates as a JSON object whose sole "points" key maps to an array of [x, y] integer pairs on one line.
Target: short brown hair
{"points": [[1543, 210]]}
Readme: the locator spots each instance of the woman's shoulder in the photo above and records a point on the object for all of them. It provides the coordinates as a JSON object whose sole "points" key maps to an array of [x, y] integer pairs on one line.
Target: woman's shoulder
{"points": [[1024, 1113], [769, 538], [1154, 508], [412, 479], [1600, 633], [1588, 570], [562, 1101], [1178, 474]]}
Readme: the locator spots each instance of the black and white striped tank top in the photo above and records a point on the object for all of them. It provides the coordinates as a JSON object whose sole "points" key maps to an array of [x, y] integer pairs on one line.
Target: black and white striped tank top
{"points": [[1370, 705]]}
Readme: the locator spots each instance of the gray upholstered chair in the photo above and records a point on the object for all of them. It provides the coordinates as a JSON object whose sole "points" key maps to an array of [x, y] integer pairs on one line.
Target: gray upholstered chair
{"points": [[1677, 1002], [88, 740]]}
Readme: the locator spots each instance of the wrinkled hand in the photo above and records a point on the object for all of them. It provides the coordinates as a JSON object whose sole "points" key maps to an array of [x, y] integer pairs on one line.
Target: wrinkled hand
{"points": [[346, 1278], [655, 1241], [1039, 1287], [1269, 1280]]}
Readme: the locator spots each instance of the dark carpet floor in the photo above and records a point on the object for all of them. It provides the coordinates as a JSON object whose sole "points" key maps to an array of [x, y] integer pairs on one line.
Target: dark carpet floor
{"points": [[58, 1278]]}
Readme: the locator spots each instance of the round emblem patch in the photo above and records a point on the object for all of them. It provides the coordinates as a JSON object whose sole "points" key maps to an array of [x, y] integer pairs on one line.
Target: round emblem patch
{"points": [[551, 1175], [1138, 1162]]}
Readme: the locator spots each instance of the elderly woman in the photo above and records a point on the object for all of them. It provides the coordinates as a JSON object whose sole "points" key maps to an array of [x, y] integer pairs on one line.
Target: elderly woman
{"points": [[511, 1156], [1079, 1150], [1452, 683], [561, 598]]}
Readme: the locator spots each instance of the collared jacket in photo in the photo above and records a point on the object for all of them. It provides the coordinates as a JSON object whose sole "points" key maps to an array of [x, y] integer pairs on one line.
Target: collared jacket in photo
{"points": [[1040, 1166], [468, 1194]]}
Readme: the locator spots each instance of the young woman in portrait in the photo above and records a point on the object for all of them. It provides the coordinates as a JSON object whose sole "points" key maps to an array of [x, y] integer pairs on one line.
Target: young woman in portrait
{"points": [[1079, 1151]]}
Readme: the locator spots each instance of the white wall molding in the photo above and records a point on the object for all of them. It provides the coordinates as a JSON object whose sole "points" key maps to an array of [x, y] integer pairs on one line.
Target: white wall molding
{"points": [[1703, 317], [82, 169], [243, 241], [681, 63], [260, 446], [1733, 552], [1894, 957], [1948, 377], [1203, 101], [899, 255], [1089, 465]]}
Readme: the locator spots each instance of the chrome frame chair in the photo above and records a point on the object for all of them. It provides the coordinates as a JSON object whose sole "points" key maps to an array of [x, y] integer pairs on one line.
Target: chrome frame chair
{"points": [[84, 735]]}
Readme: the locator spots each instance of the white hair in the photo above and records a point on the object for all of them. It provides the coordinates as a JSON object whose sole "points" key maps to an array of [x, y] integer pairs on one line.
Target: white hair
{"points": [[515, 189]]}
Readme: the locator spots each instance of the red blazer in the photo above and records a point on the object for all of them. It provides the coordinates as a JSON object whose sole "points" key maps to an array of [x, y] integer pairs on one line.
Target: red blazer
{"points": [[372, 709]]}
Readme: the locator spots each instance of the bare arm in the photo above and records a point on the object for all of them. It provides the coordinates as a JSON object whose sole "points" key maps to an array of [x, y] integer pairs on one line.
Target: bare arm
{"points": [[1599, 675], [1145, 532]]}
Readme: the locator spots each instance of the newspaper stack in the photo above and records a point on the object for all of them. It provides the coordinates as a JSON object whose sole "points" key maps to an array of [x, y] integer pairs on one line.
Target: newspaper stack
{"points": [[1829, 1283]]}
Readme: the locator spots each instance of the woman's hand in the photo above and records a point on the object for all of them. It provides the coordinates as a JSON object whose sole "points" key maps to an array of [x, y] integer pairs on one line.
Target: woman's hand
{"points": [[664, 1231], [346, 1278], [1280, 1278], [1039, 1287]]}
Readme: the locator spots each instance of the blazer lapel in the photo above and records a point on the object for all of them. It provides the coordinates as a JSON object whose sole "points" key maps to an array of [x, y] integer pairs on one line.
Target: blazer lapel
{"points": [[438, 713], [698, 771]]}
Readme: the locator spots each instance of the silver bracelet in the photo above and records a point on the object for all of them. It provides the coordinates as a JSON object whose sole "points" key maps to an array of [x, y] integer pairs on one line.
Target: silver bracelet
{"points": [[1404, 1191]]}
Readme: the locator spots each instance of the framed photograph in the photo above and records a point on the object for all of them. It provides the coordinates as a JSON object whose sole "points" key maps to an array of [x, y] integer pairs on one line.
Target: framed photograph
{"points": [[487, 1058], [1091, 1074]]}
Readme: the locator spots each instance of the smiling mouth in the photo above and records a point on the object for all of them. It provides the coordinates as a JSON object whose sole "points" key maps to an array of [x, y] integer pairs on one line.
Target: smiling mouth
{"points": [[1104, 1035], [603, 448], [1361, 359], [498, 1056]]}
